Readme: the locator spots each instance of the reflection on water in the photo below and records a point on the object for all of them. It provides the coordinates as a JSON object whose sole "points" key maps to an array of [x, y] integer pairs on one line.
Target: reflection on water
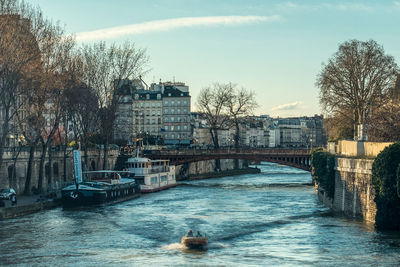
{"points": [[271, 218]]}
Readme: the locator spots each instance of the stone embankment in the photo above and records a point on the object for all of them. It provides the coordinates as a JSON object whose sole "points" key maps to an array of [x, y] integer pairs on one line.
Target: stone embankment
{"points": [[354, 193], [207, 169], [26, 205]]}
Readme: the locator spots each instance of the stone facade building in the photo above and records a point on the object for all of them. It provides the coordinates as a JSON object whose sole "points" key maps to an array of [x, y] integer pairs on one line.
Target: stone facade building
{"points": [[176, 115], [161, 112]]}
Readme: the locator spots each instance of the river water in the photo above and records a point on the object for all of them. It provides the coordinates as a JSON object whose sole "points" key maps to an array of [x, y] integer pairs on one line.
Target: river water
{"points": [[267, 219]]}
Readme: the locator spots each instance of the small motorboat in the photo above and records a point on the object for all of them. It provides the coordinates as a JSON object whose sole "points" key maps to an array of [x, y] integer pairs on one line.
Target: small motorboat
{"points": [[194, 242]]}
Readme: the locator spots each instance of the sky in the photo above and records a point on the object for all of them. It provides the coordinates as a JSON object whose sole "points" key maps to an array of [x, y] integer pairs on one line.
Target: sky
{"points": [[274, 48]]}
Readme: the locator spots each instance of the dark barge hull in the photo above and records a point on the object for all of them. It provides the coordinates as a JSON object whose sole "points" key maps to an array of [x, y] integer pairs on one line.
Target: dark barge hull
{"points": [[84, 197]]}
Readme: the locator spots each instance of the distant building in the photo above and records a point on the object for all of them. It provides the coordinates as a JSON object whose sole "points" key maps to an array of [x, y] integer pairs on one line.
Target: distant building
{"points": [[139, 113], [297, 132], [176, 114]]}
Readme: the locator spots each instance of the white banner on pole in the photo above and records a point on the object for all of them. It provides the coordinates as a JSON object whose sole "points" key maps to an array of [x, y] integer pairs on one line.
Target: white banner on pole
{"points": [[78, 166]]}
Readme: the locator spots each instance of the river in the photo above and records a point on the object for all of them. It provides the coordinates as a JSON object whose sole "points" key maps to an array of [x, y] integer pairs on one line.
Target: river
{"points": [[267, 219]]}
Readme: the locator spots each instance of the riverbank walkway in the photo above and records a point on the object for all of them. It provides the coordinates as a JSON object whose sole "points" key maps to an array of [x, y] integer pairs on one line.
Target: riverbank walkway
{"points": [[27, 205]]}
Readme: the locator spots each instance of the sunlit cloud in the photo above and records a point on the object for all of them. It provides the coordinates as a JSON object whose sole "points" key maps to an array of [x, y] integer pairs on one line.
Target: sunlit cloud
{"points": [[170, 24], [289, 106]]}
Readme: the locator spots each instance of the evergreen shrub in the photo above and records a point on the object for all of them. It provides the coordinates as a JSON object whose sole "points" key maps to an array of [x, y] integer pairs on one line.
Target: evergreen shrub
{"points": [[385, 179], [323, 171]]}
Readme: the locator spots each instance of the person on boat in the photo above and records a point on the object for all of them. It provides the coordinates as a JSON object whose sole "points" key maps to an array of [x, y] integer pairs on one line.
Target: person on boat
{"points": [[190, 233], [198, 234]]}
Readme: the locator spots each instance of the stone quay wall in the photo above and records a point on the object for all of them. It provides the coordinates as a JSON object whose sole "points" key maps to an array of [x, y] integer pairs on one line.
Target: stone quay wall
{"points": [[95, 162], [354, 193]]}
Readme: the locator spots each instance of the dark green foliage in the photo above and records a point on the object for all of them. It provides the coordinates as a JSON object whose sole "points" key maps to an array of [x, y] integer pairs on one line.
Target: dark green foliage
{"points": [[385, 171], [323, 170], [398, 180]]}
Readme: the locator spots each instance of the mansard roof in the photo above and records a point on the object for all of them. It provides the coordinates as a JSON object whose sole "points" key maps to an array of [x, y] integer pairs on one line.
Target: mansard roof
{"points": [[172, 91]]}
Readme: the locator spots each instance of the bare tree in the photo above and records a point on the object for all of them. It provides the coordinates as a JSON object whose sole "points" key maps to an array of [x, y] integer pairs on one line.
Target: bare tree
{"points": [[384, 123], [56, 51], [81, 106], [356, 78], [105, 68], [213, 103], [240, 103], [19, 62]]}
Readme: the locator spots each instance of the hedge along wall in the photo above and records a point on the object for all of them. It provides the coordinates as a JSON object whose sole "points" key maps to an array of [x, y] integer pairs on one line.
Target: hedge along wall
{"points": [[386, 180], [323, 164]]}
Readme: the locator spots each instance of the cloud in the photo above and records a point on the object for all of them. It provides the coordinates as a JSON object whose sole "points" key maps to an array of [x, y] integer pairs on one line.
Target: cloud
{"points": [[396, 3], [289, 106], [290, 6], [170, 24]]}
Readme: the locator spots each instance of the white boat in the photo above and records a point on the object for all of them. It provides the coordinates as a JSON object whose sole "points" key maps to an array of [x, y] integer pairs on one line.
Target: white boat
{"points": [[151, 175]]}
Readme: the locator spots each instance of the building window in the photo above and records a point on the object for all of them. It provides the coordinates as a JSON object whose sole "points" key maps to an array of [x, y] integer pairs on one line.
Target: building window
{"points": [[178, 128], [158, 96], [166, 111], [172, 136], [179, 103], [172, 119], [179, 111], [172, 111], [185, 102], [169, 94], [184, 111], [153, 105], [166, 127], [181, 94], [172, 128], [147, 96], [147, 105], [165, 119], [166, 103], [185, 127]]}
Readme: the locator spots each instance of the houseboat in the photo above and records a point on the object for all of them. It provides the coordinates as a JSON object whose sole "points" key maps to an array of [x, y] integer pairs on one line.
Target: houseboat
{"points": [[100, 187], [152, 175]]}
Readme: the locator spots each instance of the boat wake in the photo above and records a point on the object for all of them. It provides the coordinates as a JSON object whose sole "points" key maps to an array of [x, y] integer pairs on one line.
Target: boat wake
{"points": [[174, 246]]}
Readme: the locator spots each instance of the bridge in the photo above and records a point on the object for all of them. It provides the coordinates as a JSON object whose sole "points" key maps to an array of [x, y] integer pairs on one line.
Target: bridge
{"points": [[298, 158]]}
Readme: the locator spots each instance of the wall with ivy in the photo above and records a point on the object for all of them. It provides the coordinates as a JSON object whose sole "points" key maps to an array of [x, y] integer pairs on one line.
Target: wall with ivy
{"points": [[323, 164]]}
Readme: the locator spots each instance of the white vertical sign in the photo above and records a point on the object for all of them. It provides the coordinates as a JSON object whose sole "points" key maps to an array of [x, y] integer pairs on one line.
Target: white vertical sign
{"points": [[78, 166]]}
